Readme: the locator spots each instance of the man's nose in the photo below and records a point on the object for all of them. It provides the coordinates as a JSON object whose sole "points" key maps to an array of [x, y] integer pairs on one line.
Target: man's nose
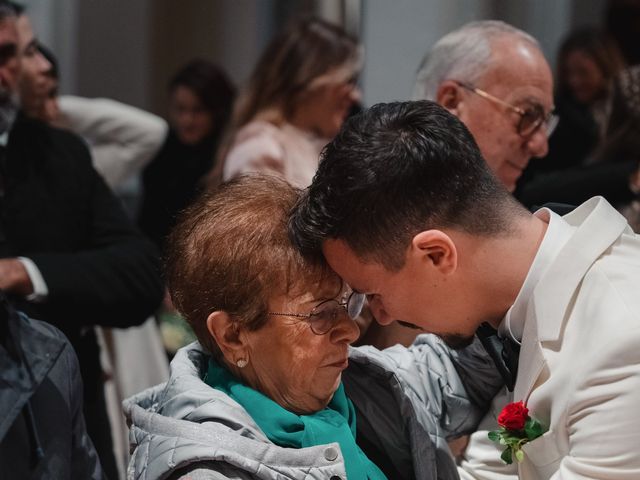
{"points": [[44, 65], [379, 313], [355, 95], [538, 143]]}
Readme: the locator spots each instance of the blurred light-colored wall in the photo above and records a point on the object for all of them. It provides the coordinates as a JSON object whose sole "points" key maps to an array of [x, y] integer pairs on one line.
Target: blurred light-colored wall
{"points": [[128, 49]]}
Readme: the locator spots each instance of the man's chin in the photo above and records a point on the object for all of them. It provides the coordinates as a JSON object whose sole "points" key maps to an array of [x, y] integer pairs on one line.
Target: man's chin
{"points": [[457, 341]]}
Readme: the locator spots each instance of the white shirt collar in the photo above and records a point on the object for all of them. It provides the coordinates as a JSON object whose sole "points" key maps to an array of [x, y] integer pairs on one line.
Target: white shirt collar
{"points": [[557, 234]]}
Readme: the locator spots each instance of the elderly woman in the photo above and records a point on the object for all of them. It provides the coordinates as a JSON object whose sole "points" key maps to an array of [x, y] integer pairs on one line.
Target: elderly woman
{"points": [[272, 390]]}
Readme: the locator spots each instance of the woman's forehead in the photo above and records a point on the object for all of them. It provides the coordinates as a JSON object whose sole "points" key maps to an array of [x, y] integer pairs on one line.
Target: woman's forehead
{"points": [[318, 285]]}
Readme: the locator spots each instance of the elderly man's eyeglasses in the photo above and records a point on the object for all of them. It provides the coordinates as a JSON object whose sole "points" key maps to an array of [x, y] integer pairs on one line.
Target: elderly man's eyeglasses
{"points": [[326, 314], [531, 119]]}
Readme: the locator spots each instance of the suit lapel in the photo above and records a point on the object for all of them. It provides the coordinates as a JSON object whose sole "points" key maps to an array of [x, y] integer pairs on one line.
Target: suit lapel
{"points": [[531, 361], [598, 227]]}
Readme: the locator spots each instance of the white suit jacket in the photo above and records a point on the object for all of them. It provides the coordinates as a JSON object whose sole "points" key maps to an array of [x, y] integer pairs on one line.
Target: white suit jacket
{"points": [[123, 139], [579, 369]]}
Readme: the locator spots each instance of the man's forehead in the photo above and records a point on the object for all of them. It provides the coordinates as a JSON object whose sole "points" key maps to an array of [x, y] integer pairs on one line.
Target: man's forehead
{"points": [[519, 70], [343, 260], [24, 30]]}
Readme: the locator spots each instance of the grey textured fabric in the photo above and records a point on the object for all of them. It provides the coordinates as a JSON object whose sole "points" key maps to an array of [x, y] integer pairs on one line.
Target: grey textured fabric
{"points": [[42, 430], [409, 402]]}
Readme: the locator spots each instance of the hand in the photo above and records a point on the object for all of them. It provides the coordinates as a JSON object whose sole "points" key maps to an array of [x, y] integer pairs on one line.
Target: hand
{"points": [[14, 277]]}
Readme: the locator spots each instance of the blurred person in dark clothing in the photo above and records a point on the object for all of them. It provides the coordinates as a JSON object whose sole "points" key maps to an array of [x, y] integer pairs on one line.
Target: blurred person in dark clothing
{"points": [[596, 147], [200, 100], [588, 62], [69, 254]]}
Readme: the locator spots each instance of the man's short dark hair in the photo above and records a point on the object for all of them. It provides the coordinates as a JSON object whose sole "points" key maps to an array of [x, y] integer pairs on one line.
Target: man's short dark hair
{"points": [[393, 171]]}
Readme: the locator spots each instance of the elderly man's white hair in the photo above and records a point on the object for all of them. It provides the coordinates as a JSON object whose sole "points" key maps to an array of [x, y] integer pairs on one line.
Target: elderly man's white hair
{"points": [[462, 55]]}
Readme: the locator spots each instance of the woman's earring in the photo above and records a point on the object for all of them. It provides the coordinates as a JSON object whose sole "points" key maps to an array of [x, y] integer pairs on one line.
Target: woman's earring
{"points": [[242, 363]]}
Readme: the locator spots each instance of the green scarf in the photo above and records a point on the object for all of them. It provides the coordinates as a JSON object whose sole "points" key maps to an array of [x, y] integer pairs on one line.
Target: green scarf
{"points": [[335, 423]]}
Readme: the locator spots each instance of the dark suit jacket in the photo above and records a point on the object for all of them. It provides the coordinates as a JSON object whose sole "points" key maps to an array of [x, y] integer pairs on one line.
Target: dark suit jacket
{"points": [[58, 212]]}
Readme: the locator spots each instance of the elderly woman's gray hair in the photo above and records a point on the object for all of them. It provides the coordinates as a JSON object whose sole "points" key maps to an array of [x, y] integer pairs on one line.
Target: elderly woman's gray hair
{"points": [[462, 55]]}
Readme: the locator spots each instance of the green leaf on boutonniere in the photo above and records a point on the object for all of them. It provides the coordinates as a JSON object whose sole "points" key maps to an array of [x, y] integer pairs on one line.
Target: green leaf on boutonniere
{"points": [[506, 456], [519, 455], [494, 436], [511, 438], [533, 429]]}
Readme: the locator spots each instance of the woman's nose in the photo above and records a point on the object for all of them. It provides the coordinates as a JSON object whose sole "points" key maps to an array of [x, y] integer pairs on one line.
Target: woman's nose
{"points": [[345, 329]]}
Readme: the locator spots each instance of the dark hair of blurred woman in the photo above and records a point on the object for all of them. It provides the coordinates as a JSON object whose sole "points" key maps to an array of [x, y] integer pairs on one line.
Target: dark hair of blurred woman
{"points": [[200, 101], [588, 61]]}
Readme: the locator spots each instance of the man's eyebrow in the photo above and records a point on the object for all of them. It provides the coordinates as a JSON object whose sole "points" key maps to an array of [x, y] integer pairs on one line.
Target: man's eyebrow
{"points": [[533, 101]]}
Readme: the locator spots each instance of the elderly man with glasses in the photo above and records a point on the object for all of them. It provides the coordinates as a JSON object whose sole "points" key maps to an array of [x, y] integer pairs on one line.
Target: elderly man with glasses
{"points": [[495, 79]]}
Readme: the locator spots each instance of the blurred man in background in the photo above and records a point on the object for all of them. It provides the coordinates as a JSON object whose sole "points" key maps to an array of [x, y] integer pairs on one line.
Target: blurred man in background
{"points": [[69, 254]]}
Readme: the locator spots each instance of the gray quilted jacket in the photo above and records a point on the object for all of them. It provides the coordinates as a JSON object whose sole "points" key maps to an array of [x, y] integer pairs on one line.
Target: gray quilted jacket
{"points": [[409, 402]]}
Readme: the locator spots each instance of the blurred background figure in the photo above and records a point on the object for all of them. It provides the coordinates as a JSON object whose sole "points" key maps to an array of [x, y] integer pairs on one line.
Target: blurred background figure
{"points": [[298, 96], [200, 97], [200, 100], [587, 64], [123, 139], [596, 147], [70, 256]]}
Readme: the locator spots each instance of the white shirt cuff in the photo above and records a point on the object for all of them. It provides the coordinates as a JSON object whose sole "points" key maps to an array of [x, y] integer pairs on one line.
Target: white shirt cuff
{"points": [[40, 289]]}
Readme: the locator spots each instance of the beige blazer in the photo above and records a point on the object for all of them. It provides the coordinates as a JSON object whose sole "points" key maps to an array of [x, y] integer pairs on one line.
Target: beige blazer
{"points": [[580, 361]]}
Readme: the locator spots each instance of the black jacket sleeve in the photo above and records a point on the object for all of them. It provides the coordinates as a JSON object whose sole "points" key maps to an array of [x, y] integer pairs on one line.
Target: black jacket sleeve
{"points": [[99, 269]]}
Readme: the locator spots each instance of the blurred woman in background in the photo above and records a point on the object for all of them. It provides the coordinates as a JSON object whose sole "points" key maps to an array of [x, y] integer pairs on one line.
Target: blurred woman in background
{"points": [[200, 101], [596, 147], [588, 62], [298, 96]]}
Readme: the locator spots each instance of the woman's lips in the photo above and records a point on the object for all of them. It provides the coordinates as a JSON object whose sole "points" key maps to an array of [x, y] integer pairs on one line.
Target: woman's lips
{"points": [[342, 364]]}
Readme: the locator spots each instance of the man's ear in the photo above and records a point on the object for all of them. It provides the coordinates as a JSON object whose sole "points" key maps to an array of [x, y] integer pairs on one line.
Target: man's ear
{"points": [[438, 248], [227, 335], [449, 95]]}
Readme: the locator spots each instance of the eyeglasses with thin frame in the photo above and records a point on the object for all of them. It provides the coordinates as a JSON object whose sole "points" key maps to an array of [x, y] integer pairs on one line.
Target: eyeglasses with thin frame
{"points": [[531, 119], [326, 314]]}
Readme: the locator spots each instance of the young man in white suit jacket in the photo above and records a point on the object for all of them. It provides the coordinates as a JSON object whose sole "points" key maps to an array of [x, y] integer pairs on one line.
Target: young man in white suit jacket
{"points": [[404, 208]]}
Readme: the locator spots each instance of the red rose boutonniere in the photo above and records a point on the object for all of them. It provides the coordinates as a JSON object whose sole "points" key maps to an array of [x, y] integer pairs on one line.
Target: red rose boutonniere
{"points": [[516, 429]]}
